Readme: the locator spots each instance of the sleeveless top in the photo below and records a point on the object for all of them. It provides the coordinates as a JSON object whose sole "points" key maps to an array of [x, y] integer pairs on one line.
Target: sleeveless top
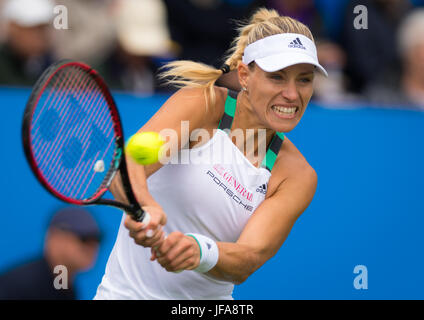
{"points": [[214, 193]]}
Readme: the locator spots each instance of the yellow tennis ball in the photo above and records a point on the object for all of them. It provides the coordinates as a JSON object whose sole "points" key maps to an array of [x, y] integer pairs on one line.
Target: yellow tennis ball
{"points": [[144, 147]]}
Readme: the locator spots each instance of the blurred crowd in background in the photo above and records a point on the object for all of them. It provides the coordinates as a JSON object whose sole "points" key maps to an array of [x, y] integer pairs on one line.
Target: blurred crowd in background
{"points": [[127, 41]]}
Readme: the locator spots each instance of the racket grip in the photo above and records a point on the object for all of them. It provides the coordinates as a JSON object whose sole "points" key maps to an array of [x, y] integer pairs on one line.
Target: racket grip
{"points": [[145, 220], [139, 214]]}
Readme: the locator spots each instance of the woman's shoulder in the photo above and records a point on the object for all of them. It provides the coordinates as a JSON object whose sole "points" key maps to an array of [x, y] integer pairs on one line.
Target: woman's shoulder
{"points": [[197, 97], [290, 163], [291, 158]]}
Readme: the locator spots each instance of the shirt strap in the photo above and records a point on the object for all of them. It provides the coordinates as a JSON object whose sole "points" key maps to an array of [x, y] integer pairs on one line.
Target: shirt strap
{"points": [[230, 109], [272, 152]]}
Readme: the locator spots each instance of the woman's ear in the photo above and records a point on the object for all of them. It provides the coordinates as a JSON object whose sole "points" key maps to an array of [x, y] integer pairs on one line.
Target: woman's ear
{"points": [[243, 74]]}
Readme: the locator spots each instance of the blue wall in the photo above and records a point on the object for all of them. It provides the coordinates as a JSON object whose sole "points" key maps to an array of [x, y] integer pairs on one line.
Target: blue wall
{"points": [[368, 209]]}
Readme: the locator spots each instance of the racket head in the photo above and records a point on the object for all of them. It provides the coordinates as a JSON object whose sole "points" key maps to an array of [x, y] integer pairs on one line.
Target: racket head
{"points": [[72, 134]]}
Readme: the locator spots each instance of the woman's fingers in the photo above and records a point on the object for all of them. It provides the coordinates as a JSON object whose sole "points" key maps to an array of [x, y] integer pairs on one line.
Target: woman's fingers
{"points": [[148, 233], [177, 252]]}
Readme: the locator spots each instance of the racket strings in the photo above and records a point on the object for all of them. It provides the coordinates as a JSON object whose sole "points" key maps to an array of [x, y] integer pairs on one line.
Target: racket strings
{"points": [[73, 145], [65, 117], [72, 134]]}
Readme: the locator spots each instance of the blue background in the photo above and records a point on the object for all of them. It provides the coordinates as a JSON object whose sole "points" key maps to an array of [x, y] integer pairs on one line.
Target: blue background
{"points": [[368, 208]]}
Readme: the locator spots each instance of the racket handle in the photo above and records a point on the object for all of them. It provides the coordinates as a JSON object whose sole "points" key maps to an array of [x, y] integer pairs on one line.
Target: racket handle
{"points": [[139, 214], [144, 219]]}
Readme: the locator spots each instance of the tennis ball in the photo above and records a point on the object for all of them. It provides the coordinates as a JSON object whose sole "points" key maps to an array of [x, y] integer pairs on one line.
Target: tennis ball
{"points": [[144, 147]]}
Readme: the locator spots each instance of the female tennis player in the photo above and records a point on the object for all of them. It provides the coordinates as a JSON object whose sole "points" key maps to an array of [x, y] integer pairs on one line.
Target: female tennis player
{"points": [[223, 219]]}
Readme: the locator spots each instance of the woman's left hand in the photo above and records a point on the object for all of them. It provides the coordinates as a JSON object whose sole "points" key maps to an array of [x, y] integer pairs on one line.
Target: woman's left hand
{"points": [[177, 252]]}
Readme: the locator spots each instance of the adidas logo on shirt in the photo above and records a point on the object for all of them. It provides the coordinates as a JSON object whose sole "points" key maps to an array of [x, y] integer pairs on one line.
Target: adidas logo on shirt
{"points": [[296, 44], [261, 189]]}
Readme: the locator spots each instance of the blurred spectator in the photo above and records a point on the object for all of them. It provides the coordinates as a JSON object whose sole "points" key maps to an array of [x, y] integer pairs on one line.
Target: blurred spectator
{"points": [[2, 22], [329, 89], [90, 34], [370, 51], [26, 51], [332, 16], [142, 40], [334, 88], [72, 240], [404, 86], [303, 10]]}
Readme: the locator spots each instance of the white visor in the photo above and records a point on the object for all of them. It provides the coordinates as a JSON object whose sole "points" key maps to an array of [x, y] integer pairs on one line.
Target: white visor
{"points": [[279, 51]]}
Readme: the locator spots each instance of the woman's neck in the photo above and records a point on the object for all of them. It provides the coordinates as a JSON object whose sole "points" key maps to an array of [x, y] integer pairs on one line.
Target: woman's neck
{"points": [[247, 133]]}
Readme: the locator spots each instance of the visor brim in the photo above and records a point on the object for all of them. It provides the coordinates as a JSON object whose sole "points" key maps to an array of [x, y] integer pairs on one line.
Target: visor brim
{"points": [[281, 61]]}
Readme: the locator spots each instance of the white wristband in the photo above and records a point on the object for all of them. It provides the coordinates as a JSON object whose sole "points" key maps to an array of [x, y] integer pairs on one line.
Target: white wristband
{"points": [[208, 252]]}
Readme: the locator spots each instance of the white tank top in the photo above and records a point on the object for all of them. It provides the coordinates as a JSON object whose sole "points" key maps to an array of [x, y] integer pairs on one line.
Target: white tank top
{"points": [[214, 194]]}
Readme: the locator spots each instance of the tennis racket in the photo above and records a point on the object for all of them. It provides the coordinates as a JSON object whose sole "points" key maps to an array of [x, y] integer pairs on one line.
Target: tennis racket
{"points": [[73, 137]]}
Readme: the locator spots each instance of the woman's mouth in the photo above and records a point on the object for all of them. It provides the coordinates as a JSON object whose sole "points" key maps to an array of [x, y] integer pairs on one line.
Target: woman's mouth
{"points": [[285, 112]]}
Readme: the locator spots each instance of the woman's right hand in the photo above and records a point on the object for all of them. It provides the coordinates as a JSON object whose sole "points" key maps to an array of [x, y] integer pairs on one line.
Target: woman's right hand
{"points": [[150, 235]]}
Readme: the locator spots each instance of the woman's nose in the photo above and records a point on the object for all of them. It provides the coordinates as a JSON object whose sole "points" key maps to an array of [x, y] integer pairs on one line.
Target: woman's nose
{"points": [[289, 91]]}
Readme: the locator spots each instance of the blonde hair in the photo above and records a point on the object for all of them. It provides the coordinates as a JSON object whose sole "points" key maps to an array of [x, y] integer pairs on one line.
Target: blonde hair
{"points": [[263, 23]]}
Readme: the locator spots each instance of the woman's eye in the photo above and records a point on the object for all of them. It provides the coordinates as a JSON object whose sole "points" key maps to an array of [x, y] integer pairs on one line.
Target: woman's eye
{"points": [[305, 80], [276, 77]]}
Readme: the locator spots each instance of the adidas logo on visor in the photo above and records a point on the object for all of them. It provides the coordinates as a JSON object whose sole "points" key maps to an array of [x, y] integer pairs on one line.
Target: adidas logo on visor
{"points": [[296, 44]]}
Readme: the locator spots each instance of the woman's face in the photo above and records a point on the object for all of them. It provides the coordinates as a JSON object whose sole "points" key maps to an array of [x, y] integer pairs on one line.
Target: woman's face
{"points": [[279, 98]]}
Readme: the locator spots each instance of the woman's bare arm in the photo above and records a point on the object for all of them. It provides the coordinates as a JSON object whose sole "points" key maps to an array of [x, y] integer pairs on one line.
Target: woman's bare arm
{"points": [[187, 104], [267, 229]]}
